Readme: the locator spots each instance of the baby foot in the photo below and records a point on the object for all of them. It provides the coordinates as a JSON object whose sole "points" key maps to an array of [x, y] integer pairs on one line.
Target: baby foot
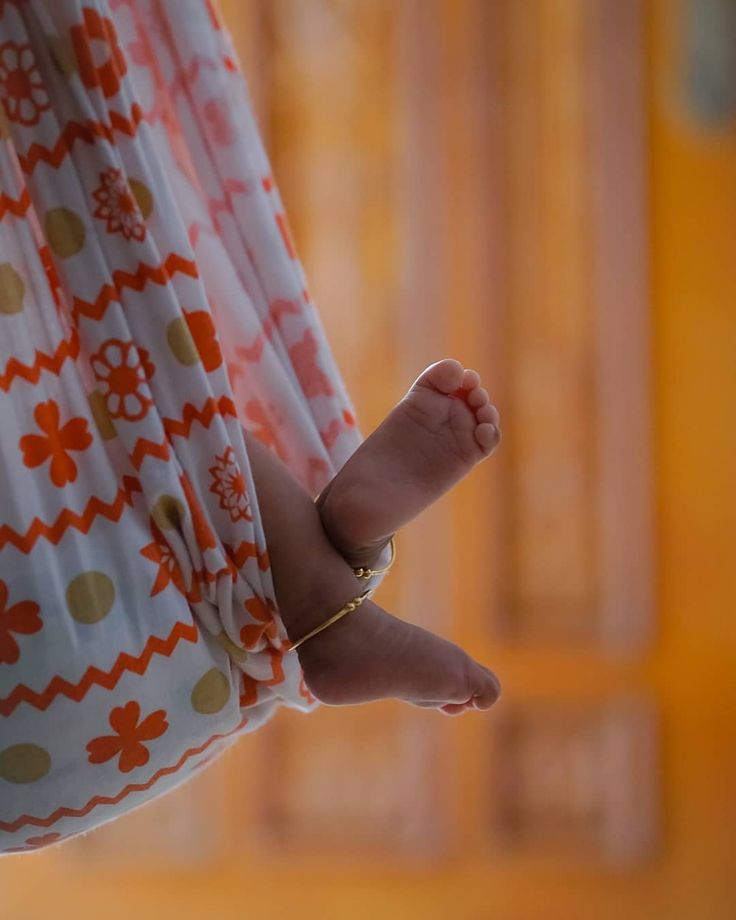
{"points": [[370, 655], [367, 654], [432, 438]]}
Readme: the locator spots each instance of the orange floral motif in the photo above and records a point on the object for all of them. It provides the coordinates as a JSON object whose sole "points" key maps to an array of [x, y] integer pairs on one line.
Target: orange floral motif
{"points": [[263, 429], [129, 737], [312, 378], [22, 617], [202, 329], [21, 86], [168, 568], [229, 485], [95, 40], [261, 609], [123, 370], [44, 839], [55, 443], [117, 206]]}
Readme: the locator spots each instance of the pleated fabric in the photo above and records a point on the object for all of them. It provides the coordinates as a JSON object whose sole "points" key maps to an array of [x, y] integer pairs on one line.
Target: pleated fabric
{"points": [[151, 306]]}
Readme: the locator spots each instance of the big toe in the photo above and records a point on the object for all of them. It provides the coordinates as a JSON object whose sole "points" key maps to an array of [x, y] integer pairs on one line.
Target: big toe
{"points": [[445, 375]]}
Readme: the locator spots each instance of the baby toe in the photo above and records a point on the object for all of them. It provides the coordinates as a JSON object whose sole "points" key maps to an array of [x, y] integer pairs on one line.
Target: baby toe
{"points": [[453, 709], [488, 436], [471, 379], [487, 688], [478, 397], [445, 376], [488, 413]]}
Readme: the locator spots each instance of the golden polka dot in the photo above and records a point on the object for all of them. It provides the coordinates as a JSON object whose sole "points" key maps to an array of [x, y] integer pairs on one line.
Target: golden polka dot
{"points": [[64, 231], [168, 512], [11, 289], [24, 763], [90, 597], [101, 416], [234, 651], [211, 692], [61, 55], [181, 342], [4, 129], [142, 195]]}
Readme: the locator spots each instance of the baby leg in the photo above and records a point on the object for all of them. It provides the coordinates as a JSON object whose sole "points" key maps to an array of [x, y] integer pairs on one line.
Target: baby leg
{"points": [[368, 654]]}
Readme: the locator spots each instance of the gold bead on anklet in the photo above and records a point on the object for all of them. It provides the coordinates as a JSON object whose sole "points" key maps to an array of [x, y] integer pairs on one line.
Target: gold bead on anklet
{"points": [[365, 572], [351, 605]]}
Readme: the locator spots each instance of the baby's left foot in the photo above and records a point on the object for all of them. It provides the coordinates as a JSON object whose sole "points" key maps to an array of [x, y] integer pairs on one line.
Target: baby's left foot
{"points": [[436, 434]]}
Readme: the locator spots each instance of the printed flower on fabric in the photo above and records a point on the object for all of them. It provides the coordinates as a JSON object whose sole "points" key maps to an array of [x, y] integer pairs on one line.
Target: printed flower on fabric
{"points": [[101, 60], [263, 610], [22, 618], [312, 378], [43, 840], [169, 570], [128, 740], [124, 370], [229, 485], [56, 443], [21, 87], [117, 206]]}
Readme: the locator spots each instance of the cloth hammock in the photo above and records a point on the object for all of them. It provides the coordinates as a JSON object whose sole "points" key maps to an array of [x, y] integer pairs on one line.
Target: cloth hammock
{"points": [[151, 304]]}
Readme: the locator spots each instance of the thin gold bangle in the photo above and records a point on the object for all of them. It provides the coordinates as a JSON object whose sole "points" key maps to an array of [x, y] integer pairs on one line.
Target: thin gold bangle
{"points": [[364, 571], [351, 605]]}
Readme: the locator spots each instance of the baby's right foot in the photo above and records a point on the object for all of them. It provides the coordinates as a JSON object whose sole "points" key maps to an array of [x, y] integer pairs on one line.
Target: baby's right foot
{"points": [[433, 437], [370, 655]]}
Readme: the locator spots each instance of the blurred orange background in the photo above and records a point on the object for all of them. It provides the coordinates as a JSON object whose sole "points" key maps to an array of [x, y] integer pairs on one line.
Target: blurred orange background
{"points": [[545, 189]]}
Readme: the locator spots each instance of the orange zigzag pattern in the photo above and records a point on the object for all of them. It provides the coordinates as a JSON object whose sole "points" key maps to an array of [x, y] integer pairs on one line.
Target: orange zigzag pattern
{"points": [[186, 632], [245, 551], [181, 428], [212, 407], [87, 131], [11, 206], [68, 518], [159, 274], [11, 826], [145, 448], [67, 348]]}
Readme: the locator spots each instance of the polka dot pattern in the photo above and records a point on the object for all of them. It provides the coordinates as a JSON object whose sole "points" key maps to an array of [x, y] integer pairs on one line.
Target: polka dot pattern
{"points": [[90, 597], [61, 55], [64, 231], [104, 423], [211, 692], [142, 195], [181, 343], [12, 289], [168, 512], [24, 763], [237, 653]]}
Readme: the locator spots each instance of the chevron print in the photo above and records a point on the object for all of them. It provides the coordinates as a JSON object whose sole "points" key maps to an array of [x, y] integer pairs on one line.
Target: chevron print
{"points": [[16, 370], [87, 131], [23, 820], [223, 406], [135, 664], [17, 207], [158, 274], [71, 519]]}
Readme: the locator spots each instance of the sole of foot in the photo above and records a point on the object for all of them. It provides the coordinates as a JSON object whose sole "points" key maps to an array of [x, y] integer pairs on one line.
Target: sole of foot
{"points": [[434, 436]]}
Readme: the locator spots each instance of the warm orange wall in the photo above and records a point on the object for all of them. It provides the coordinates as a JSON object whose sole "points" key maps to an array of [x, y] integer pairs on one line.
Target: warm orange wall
{"points": [[694, 286]]}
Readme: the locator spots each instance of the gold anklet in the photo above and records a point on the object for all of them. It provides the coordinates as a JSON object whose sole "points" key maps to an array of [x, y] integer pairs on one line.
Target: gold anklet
{"points": [[348, 608], [364, 571]]}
